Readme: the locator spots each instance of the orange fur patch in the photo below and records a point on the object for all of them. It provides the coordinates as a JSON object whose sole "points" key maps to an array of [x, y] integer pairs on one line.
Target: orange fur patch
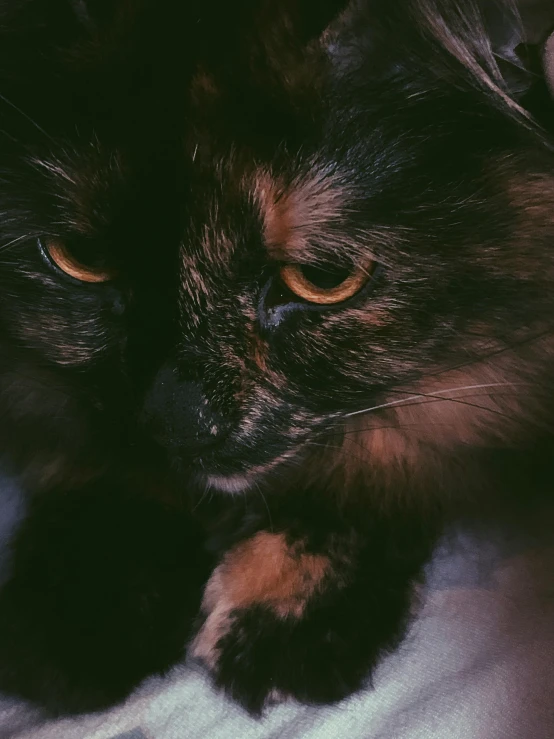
{"points": [[414, 434], [531, 200], [533, 197], [263, 570], [298, 214], [266, 570], [306, 217]]}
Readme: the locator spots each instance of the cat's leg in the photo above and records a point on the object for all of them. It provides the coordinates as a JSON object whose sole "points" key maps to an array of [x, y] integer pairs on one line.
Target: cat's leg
{"points": [[102, 592], [307, 610]]}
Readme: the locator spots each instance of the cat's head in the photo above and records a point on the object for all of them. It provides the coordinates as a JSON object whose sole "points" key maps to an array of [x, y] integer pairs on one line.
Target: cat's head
{"points": [[229, 234]]}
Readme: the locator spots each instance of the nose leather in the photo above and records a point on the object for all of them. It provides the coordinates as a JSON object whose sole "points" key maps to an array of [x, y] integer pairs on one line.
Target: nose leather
{"points": [[180, 415]]}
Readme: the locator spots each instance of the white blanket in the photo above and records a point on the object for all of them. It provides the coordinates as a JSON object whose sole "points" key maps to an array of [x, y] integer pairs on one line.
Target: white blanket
{"points": [[477, 664]]}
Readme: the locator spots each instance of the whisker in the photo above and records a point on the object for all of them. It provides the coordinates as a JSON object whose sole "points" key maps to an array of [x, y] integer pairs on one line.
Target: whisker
{"points": [[494, 353], [437, 395], [25, 237], [388, 427], [202, 498], [28, 117], [266, 505], [436, 399], [345, 435]]}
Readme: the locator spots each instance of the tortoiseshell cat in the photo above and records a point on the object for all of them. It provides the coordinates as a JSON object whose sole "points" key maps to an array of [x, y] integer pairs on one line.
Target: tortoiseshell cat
{"points": [[296, 250]]}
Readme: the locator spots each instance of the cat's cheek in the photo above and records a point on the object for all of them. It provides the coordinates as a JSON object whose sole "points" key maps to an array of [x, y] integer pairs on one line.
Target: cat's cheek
{"points": [[74, 340]]}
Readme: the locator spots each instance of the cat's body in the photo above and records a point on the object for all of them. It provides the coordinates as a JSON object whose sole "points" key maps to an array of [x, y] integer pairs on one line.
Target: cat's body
{"points": [[265, 248]]}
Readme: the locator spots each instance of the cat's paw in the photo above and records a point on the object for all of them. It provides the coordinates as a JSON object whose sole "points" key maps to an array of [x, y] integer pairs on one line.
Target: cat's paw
{"points": [[281, 622]]}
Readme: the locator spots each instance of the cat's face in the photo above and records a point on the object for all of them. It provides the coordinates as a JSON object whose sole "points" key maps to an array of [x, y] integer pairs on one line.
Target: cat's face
{"points": [[222, 268]]}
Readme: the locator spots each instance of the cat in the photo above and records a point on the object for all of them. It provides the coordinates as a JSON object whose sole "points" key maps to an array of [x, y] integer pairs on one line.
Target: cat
{"points": [[296, 252]]}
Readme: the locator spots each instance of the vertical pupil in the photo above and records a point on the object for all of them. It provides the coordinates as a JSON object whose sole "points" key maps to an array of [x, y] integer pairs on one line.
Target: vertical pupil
{"points": [[325, 277]]}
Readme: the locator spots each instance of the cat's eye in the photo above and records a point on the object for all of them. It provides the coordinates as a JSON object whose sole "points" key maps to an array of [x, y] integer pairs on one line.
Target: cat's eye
{"points": [[325, 284], [65, 260]]}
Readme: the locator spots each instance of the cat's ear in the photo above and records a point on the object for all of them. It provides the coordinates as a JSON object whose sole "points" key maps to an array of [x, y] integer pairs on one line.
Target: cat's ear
{"points": [[520, 33], [241, 38]]}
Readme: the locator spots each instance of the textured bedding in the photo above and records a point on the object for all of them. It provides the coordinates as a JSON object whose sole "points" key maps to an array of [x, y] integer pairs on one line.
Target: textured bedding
{"points": [[477, 664]]}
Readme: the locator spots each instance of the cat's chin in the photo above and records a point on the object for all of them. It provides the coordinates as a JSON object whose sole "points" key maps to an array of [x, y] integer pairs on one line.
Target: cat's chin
{"points": [[231, 474], [239, 482], [236, 483]]}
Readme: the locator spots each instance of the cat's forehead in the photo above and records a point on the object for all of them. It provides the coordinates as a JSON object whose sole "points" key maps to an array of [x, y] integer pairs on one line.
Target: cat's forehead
{"points": [[298, 214], [311, 211], [287, 218]]}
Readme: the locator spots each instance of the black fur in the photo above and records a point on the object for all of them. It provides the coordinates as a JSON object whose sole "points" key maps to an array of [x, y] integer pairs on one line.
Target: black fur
{"points": [[190, 151], [103, 593]]}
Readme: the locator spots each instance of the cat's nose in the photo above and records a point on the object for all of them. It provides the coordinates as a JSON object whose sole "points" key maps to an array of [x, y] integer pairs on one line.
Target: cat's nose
{"points": [[180, 416]]}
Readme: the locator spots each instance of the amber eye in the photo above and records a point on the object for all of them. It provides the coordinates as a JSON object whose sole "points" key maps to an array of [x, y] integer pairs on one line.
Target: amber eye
{"points": [[62, 257], [324, 284]]}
